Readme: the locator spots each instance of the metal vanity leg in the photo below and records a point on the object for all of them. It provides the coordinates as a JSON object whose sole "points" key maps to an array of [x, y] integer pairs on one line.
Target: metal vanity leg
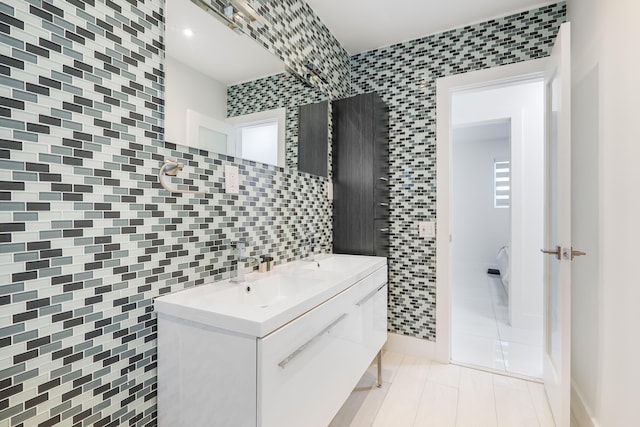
{"points": [[379, 357]]}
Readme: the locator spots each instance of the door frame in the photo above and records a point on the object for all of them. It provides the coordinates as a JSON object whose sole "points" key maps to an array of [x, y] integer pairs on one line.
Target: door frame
{"points": [[445, 87]]}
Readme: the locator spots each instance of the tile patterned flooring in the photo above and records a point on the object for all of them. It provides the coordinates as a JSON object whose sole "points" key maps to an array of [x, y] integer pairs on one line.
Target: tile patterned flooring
{"points": [[422, 393], [481, 334]]}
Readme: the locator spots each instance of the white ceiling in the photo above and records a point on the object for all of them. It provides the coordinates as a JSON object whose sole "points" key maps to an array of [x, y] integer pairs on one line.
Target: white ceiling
{"points": [[362, 25], [214, 49]]}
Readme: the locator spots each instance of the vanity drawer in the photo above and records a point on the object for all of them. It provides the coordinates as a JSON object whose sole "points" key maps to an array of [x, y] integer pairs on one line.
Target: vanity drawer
{"points": [[308, 368]]}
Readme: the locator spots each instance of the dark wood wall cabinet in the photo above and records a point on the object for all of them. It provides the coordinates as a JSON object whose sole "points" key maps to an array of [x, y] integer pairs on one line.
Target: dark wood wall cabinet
{"points": [[313, 138], [361, 175]]}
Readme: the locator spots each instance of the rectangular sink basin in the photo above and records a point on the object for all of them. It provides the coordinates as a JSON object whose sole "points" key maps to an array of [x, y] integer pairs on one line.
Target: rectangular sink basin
{"points": [[331, 267], [335, 263], [263, 292]]}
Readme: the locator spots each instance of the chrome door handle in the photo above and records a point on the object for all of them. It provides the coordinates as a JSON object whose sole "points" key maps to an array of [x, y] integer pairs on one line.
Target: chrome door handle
{"points": [[557, 252], [573, 254]]}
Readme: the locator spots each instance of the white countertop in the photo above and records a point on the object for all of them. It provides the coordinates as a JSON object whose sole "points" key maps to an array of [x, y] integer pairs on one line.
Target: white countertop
{"points": [[267, 301]]}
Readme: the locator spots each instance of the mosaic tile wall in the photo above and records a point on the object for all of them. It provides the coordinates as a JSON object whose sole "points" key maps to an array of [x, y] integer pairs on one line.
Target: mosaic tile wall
{"points": [[404, 75], [87, 236], [294, 33], [280, 90], [298, 36]]}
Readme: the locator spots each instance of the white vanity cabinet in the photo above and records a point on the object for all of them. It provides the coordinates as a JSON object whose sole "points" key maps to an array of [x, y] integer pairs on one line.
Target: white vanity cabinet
{"points": [[298, 374]]}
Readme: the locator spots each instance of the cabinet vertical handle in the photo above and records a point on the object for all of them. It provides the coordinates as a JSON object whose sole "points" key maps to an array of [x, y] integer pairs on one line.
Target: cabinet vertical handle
{"points": [[300, 349], [370, 295]]}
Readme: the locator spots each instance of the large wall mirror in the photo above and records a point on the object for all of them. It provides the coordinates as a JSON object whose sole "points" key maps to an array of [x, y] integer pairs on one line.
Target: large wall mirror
{"points": [[226, 93]]}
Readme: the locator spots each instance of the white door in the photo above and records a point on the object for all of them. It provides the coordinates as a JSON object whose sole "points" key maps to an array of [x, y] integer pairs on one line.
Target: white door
{"points": [[557, 265]]}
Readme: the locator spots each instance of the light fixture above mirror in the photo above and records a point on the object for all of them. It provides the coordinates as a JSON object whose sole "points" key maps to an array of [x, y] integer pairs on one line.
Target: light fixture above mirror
{"points": [[235, 14]]}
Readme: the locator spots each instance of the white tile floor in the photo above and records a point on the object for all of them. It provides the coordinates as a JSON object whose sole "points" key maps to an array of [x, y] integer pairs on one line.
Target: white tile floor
{"points": [[421, 393], [481, 334]]}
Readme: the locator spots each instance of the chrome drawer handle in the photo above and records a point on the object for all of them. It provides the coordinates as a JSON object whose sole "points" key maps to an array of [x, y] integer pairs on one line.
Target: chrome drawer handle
{"points": [[300, 349], [382, 178], [370, 295], [384, 230], [384, 204]]}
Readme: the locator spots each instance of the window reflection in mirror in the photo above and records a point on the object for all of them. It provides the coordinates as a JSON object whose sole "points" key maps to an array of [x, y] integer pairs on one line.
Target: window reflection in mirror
{"points": [[259, 142], [261, 136], [258, 136]]}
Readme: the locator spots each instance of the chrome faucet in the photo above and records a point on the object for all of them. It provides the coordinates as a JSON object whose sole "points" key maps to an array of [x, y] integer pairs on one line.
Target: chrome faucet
{"points": [[237, 275], [307, 250]]}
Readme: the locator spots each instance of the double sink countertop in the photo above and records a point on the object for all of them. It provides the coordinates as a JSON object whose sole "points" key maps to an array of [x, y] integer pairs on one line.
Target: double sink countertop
{"points": [[266, 301]]}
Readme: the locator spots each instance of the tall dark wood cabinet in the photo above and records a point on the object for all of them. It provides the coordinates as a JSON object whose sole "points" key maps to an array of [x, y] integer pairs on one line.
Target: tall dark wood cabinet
{"points": [[313, 138], [361, 175]]}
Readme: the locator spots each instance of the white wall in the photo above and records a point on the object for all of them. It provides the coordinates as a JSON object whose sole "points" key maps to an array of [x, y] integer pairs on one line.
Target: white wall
{"points": [[480, 228], [523, 105], [606, 208], [186, 88]]}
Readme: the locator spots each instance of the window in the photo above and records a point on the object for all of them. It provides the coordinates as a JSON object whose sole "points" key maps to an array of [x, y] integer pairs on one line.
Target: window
{"points": [[259, 142], [502, 184]]}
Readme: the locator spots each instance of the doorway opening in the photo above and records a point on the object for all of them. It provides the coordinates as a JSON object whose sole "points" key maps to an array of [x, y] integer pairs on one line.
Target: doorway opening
{"points": [[476, 103], [497, 171]]}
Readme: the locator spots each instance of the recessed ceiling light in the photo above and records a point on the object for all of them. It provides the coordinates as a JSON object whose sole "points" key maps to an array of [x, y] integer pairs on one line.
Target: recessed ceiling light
{"points": [[188, 32]]}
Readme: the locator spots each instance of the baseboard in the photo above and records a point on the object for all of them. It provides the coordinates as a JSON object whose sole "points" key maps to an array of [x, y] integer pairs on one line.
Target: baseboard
{"points": [[580, 410], [411, 346]]}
